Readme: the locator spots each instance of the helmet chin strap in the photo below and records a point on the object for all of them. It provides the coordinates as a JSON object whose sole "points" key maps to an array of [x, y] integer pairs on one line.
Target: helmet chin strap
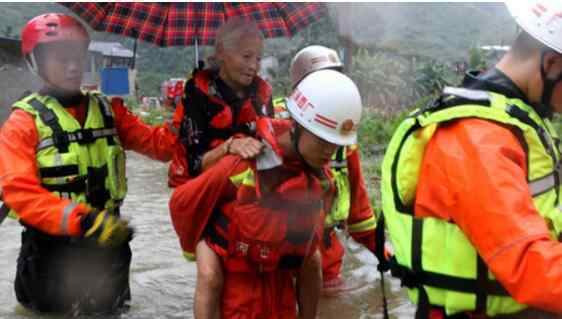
{"points": [[31, 63], [543, 107], [296, 134]]}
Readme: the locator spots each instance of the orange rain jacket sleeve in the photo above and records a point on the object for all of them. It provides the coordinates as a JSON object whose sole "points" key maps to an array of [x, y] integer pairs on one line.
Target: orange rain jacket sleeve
{"points": [[156, 142], [360, 206], [178, 115], [474, 173], [178, 170], [193, 202], [19, 178]]}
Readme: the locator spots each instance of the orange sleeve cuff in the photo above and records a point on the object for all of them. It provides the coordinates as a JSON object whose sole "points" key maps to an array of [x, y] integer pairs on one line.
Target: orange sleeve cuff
{"points": [[74, 218]]}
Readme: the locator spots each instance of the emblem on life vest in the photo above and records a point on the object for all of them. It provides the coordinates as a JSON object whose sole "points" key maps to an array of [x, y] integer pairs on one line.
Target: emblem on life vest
{"points": [[264, 253], [347, 126]]}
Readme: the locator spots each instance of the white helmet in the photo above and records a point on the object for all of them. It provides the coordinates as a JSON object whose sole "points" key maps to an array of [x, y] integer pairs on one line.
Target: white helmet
{"points": [[310, 59], [542, 19], [327, 103]]}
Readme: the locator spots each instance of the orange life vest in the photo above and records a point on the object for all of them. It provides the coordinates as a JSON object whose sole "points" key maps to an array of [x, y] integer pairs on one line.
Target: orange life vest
{"points": [[276, 219]]}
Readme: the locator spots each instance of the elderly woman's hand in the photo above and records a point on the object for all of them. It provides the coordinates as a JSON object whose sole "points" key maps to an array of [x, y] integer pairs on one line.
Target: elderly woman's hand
{"points": [[246, 147]]}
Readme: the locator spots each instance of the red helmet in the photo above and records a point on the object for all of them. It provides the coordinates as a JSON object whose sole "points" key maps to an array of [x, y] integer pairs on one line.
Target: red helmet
{"points": [[51, 27]]}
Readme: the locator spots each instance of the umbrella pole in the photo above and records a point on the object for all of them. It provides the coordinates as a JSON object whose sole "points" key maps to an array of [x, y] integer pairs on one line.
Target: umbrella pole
{"points": [[196, 62], [134, 53]]}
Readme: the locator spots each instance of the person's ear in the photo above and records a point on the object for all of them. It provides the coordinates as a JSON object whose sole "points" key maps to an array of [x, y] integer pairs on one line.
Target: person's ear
{"points": [[552, 64], [219, 53]]}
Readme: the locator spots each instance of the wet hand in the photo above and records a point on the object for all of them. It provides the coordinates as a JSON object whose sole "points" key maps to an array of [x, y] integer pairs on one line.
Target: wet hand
{"points": [[106, 229], [247, 147]]}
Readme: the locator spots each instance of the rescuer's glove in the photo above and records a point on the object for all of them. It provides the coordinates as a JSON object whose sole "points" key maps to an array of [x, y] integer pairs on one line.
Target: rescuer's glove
{"points": [[106, 229]]}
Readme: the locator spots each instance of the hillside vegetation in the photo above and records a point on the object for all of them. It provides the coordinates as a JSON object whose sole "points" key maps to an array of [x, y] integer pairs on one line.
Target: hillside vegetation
{"points": [[401, 39]]}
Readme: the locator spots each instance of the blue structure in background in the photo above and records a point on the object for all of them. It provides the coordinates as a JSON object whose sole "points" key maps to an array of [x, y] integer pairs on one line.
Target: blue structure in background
{"points": [[115, 81]]}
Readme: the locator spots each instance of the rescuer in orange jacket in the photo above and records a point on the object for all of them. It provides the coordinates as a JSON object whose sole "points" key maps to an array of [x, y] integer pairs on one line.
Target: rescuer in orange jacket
{"points": [[481, 176], [360, 223], [221, 106], [265, 218], [353, 212], [62, 174]]}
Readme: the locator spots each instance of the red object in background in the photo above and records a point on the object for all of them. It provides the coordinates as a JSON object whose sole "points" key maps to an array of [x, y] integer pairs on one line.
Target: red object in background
{"points": [[90, 87], [172, 91]]}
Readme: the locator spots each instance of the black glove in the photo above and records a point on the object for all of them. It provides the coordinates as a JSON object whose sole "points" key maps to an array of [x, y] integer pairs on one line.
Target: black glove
{"points": [[106, 229]]}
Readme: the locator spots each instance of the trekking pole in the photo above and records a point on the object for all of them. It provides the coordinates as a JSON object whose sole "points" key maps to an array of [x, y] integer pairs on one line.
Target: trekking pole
{"points": [[4, 211], [384, 264], [384, 301]]}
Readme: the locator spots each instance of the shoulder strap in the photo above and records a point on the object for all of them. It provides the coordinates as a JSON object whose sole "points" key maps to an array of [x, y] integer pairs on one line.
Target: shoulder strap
{"points": [[454, 96], [108, 121], [60, 140], [340, 160]]}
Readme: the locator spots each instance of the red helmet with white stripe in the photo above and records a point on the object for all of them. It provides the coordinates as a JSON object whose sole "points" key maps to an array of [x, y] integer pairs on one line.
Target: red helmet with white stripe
{"points": [[50, 28], [328, 104]]}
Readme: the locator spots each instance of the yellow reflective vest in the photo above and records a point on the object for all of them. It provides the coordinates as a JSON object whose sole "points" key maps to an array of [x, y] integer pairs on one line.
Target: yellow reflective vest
{"points": [[433, 257], [84, 164]]}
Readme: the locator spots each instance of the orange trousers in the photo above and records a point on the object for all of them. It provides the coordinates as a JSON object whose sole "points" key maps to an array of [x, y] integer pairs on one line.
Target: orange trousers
{"points": [[332, 252], [254, 295]]}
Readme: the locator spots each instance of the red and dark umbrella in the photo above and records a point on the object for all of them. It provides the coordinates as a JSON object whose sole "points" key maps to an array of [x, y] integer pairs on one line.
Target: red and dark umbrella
{"points": [[189, 23]]}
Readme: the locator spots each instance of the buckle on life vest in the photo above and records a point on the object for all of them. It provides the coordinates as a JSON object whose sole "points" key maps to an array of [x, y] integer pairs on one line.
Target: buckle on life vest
{"points": [[85, 136], [242, 248], [264, 253], [408, 278], [60, 140]]}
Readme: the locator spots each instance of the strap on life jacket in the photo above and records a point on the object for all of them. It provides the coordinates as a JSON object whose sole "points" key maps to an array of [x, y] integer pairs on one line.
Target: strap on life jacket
{"points": [[61, 139], [220, 220]]}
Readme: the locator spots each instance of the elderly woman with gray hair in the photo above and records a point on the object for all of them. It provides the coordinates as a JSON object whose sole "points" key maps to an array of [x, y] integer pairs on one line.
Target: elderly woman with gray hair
{"points": [[218, 111], [218, 117]]}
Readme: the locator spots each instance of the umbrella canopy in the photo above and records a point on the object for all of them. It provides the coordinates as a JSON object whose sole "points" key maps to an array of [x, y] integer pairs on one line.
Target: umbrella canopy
{"points": [[189, 23]]}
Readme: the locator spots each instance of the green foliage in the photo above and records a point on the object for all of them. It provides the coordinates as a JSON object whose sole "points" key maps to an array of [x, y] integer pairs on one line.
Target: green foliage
{"points": [[281, 84], [432, 76], [15, 15], [131, 102], [149, 82], [322, 32], [376, 130], [476, 59], [8, 32], [383, 79], [386, 73], [151, 116], [389, 81]]}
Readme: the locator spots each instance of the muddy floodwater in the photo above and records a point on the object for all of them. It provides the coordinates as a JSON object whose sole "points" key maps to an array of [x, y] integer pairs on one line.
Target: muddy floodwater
{"points": [[162, 281]]}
